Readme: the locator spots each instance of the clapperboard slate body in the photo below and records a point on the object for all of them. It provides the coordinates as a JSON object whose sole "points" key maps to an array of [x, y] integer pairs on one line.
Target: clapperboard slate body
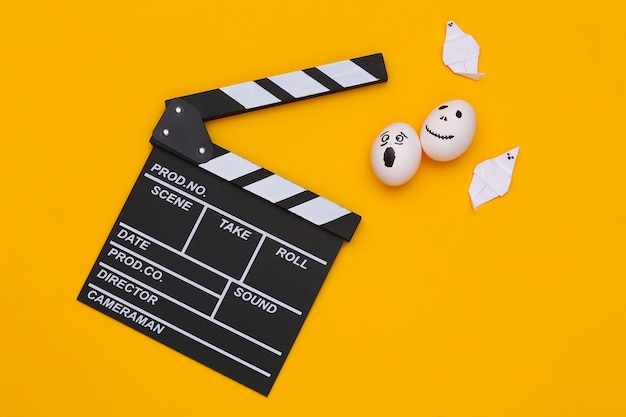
{"points": [[213, 255]]}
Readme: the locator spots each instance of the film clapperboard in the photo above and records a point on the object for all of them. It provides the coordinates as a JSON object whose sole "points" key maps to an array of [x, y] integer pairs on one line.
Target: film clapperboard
{"points": [[213, 255]]}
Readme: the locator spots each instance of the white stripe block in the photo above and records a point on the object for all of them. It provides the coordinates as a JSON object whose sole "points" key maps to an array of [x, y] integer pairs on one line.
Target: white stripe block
{"points": [[229, 166], [274, 188], [250, 95], [298, 84], [319, 211], [347, 73]]}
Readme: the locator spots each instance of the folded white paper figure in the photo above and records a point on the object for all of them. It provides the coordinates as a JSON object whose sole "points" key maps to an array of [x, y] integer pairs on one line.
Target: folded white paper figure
{"points": [[461, 51], [492, 178]]}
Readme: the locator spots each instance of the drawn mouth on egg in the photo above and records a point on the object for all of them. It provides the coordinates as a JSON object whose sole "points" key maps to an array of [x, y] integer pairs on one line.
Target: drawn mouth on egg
{"points": [[437, 135], [389, 157]]}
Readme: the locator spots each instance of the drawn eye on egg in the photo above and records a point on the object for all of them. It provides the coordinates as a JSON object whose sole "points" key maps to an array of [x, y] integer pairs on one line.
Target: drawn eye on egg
{"points": [[448, 130], [396, 154]]}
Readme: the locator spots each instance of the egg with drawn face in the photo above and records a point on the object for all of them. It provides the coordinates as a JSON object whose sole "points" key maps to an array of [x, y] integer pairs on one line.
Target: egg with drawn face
{"points": [[396, 154], [448, 130]]}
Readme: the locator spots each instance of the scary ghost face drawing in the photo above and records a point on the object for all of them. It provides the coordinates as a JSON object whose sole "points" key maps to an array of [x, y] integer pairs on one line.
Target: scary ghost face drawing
{"points": [[448, 130], [396, 154]]}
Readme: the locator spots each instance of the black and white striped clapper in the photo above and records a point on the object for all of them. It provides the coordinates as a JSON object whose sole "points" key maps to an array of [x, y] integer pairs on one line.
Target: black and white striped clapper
{"points": [[253, 95], [292, 86], [212, 254]]}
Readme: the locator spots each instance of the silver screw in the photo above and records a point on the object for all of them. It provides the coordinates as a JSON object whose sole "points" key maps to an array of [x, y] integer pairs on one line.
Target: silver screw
{"points": [[202, 151], [166, 132], [178, 110]]}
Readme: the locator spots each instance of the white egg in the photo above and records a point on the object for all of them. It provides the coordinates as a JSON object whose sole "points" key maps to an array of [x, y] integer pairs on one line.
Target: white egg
{"points": [[396, 154], [448, 130]]}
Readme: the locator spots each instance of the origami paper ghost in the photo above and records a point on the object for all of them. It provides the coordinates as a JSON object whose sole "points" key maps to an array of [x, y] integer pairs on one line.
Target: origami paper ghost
{"points": [[460, 52], [492, 178]]}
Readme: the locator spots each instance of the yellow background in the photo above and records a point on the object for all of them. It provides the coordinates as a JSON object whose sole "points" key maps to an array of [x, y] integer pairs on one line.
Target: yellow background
{"points": [[433, 309]]}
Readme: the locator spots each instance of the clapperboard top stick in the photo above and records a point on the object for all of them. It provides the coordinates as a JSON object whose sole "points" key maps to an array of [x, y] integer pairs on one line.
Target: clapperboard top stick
{"points": [[181, 130]]}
